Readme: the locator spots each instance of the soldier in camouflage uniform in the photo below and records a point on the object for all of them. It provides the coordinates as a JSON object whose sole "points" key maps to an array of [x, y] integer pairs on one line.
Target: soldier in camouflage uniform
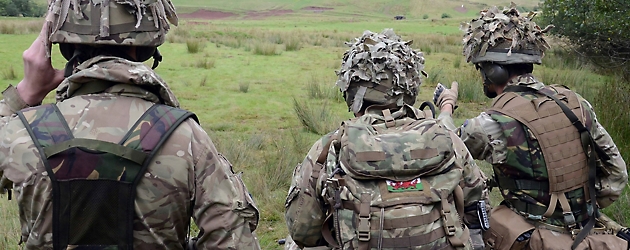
{"points": [[535, 151], [104, 93], [381, 73]]}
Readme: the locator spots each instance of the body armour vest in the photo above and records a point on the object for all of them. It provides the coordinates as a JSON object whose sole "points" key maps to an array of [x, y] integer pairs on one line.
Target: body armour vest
{"points": [[545, 153], [94, 182]]}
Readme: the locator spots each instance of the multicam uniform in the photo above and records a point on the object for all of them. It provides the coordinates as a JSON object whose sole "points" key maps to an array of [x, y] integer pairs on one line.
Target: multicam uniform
{"points": [[304, 202], [514, 152], [187, 168]]}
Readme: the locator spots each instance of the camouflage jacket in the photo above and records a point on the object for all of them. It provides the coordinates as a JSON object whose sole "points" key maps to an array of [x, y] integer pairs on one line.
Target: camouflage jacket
{"points": [[486, 140], [302, 202], [187, 168]]}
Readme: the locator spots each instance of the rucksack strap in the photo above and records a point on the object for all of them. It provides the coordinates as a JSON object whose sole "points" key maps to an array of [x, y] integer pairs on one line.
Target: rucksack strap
{"points": [[449, 224]]}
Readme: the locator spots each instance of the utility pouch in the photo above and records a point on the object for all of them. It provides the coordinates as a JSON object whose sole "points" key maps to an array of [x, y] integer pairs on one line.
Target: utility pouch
{"points": [[547, 239], [505, 227]]}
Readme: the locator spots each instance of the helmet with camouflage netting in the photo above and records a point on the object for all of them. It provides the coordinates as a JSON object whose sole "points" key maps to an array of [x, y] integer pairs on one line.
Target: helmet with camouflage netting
{"points": [[504, 37], [139, 23], [380, 68]]}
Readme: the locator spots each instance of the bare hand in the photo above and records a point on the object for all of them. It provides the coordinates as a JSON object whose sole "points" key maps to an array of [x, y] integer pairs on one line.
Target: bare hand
{"points": [[39, 75]]}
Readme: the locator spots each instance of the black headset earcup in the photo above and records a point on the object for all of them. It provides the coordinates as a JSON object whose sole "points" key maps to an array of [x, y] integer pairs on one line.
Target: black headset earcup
{"points": [[143, 53], [67, 50], [495, 73]]}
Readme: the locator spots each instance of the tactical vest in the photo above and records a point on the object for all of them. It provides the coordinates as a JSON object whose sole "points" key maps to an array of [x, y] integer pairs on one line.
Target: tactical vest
{"points": [[392, 183], [94, 182], [559, 142]]}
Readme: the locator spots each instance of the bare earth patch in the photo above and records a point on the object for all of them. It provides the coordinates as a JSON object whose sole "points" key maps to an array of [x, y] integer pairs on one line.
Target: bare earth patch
{"points": [[207, 14], [267, 13], [316, 9]]}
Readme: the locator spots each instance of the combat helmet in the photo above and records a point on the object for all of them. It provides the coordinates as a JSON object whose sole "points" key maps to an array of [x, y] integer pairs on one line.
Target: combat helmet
{"points": [[504, 37], [143, 24], [380, 68]]}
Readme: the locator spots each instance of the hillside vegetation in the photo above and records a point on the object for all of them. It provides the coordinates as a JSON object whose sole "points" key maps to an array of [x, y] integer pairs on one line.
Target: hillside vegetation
{"points": [[262, 81]]}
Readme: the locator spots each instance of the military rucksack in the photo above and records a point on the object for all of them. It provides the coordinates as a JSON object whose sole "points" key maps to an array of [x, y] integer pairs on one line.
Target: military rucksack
{"points": [[393, 184], [94, 182]]}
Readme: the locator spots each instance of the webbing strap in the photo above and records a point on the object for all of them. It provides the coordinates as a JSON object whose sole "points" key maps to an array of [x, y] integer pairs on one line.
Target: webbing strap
{"points": [[363, 229], [97, 145], [389, 120], [522, 184], [409, 241], [412, 221]]}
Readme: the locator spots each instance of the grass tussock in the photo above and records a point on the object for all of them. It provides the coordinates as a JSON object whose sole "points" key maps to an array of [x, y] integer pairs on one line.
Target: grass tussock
{"points": [[315, 118], [265, 49], [9, 74], [205, 63], [317, 88], [243, 87], [195, 45]]}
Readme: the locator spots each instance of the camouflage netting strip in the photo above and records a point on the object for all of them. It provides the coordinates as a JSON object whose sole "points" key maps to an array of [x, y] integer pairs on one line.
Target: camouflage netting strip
{"points": [[506, 29], [162, 11], [371, 54]]}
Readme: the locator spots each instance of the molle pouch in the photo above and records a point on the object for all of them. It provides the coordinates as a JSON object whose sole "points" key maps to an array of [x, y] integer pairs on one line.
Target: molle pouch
{"points": [[543, 238], [505, 227]]}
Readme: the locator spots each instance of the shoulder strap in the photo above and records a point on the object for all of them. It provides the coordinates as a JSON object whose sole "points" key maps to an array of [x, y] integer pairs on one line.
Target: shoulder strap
{"points": [[47, 127], [587, 143]]}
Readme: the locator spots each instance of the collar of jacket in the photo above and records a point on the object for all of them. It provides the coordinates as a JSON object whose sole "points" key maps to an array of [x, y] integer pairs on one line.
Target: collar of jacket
{"points": [[126, 78], [526, 80]]}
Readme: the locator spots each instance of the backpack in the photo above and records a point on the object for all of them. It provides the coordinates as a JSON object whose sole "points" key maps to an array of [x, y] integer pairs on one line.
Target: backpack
{"points": [[393, 183], [94, 182]]}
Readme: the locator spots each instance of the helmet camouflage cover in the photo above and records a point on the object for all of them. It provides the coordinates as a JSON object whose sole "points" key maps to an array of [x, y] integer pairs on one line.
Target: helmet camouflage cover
{"points": [[111, 22], [380, 68], [504, 37]]}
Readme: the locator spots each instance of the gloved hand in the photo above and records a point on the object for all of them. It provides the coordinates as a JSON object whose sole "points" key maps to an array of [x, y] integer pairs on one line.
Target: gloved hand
{"points": [[443, 96]]}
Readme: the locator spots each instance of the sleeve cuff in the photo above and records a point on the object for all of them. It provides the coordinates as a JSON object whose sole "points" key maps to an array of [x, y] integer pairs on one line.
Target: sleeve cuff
{"points": [[13, 100]]}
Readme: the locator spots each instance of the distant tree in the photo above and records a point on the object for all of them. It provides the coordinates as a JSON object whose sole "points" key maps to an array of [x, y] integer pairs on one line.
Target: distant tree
{"points": [[21, 8], [425, 16], [446, 15], [598, 29]]}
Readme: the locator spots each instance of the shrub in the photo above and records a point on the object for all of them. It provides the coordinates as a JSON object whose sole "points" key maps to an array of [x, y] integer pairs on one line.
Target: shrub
{"points": [[425, 16], [446, 15]]}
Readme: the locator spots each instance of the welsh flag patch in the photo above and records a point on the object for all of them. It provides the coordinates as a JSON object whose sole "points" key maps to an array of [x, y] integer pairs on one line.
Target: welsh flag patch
{"points": [[404, 186]]}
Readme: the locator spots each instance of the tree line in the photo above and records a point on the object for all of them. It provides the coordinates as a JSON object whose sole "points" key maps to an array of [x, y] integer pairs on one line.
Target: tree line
{"points": [[25, 8], [597, 29]]}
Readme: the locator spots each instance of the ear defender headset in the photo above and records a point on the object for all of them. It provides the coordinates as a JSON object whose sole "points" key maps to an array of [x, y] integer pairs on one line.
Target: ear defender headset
{"points": [[494, 74]]}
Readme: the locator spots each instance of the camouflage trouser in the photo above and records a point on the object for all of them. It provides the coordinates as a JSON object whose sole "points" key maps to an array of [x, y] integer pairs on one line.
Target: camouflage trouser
{"points": [[290, 245]]}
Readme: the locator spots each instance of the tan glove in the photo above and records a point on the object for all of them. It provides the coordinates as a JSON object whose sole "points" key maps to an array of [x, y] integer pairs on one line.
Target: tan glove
{"points": [[443, 96]]}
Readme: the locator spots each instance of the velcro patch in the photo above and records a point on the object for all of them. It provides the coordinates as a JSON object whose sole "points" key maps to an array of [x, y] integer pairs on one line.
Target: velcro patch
{"points": [[404, 186]]}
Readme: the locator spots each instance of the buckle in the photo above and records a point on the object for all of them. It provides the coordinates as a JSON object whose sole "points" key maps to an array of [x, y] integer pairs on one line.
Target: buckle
{"points": [[449, 225], [569, 220], [363, 231]]}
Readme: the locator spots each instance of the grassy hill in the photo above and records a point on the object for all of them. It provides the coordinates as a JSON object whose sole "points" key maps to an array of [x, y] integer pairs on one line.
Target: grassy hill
{"points": [[409, 8]]}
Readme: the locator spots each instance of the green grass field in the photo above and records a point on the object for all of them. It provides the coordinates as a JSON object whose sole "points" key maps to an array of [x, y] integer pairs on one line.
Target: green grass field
{"points": [[245, 79]]}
